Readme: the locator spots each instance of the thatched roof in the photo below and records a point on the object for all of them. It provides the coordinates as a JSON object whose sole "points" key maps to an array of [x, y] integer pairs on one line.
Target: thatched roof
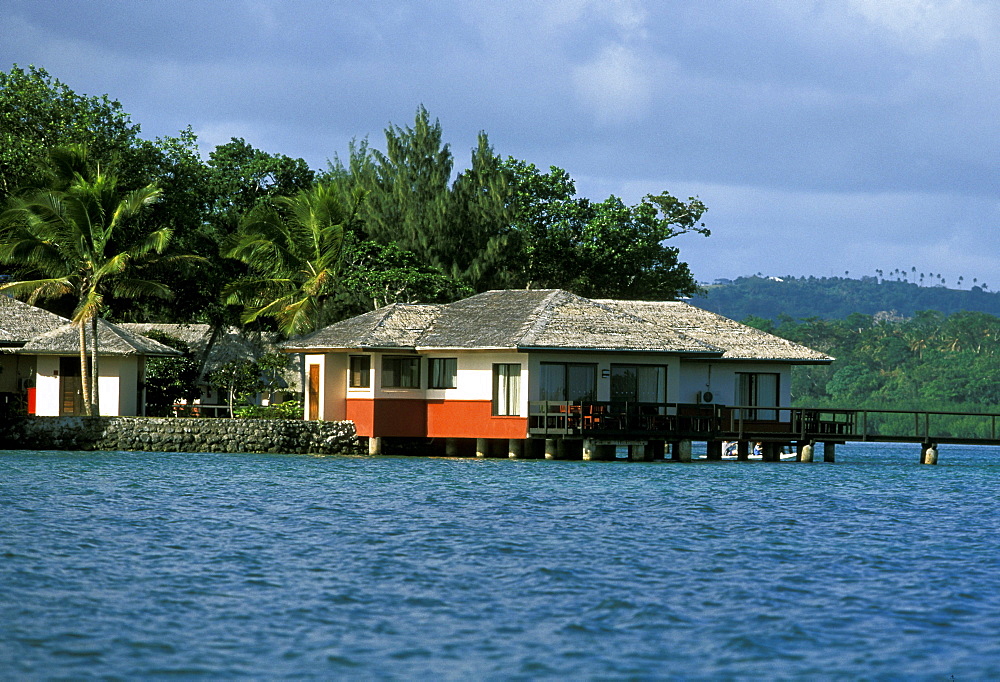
{"points": [[740, 341], [230, 345], [20, 322], [112, 340], [557, 320]]}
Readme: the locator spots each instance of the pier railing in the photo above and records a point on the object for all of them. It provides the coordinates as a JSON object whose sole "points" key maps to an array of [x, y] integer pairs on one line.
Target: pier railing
{"points": [[752, 422]]}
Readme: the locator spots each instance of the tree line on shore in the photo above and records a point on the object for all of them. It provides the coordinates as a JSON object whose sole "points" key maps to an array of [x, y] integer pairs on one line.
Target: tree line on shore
{"points": [[930, 362], [99, 222], [299, 247]]}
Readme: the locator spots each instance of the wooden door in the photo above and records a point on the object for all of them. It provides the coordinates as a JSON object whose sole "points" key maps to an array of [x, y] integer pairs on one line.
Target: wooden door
{"points": [[314, 391], [70, 387]]}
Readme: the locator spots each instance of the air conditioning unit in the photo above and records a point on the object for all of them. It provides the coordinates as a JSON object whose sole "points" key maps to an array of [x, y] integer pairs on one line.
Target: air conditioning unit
{"points": [[704, 397]]}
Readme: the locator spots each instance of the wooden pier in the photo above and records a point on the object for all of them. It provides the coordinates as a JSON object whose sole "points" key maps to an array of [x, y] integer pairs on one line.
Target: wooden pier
{"points": [[776, 428]]}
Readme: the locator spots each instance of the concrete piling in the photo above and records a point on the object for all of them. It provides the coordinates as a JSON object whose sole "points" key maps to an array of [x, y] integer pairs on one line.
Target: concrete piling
{"points": [[929, 454], [806, 451], [515, 448], [482, 447]]}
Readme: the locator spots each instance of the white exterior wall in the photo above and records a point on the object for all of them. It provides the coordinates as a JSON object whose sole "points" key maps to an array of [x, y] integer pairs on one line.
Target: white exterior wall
{"points": [[332, 380], [333, 406], [47, 386], [117, 386], [720, 379]]}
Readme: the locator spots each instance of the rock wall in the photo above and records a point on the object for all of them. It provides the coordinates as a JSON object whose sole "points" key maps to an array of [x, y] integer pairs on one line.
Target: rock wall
{"points": [[178, 435]]}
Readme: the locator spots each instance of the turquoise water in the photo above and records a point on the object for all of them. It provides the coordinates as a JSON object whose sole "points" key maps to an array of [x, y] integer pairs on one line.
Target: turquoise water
{"points": [[183, 566]]}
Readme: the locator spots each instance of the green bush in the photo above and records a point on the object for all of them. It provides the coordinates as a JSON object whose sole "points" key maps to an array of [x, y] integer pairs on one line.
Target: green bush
{"points": [[290, 409]]}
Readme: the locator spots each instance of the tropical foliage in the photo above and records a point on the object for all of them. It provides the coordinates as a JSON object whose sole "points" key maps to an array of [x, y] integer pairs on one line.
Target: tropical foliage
{"points": [[295, 248], [931, 361], [72, 239]]}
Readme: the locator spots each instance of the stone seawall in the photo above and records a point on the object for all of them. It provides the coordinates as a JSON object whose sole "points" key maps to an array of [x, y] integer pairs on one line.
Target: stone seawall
{"points": [[178, 435]]}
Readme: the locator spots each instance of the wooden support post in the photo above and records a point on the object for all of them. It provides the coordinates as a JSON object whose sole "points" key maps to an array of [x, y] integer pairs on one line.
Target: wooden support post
{"points": [[374, 445], [561, 449], [482, 447], [713, 450], [551, 448], [743, 451], [637, 453], [655, 449], [829, 452], [928, 454], [772, 452], [806, 451], [515, 448], [451, 447], [682, 450]]}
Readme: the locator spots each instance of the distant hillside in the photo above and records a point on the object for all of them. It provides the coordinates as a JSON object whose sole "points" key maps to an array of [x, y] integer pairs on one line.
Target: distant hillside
{"points": [[837, 297]]}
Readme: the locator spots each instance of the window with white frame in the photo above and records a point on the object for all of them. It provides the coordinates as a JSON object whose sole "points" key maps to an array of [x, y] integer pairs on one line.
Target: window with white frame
{"points": [[442, 372], [400, 371], [507, 389], [360, 371]]}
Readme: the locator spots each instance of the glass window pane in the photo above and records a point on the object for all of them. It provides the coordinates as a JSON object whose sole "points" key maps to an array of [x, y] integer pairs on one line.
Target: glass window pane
{"points": [[443, 372], [360, 373], [553, 383], [507, 389], [651, 384], [623, 383], [581, 383]]}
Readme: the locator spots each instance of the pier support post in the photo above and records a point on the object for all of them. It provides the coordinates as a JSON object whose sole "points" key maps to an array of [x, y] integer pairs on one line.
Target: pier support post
{"points": [[806, 451], [713, 450], [829, 452], [928, 453], [482, 447], [451, 447], [551, 448], [743, 451], [590, 450], [637, 453], [682, 450], [515, 448], [374, 445], [654, 449]]}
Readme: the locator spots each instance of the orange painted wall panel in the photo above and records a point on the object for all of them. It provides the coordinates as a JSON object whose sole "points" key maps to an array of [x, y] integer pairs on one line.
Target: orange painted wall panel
{"points": [[471, 419], [362, 413], [432, 418]]}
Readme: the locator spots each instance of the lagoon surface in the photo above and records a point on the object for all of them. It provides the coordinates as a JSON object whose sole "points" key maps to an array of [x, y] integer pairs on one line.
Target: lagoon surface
{"points": [[185, 566]]}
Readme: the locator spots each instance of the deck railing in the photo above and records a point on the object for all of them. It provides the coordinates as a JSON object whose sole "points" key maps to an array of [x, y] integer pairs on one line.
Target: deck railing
{"points": [[750, 422]]}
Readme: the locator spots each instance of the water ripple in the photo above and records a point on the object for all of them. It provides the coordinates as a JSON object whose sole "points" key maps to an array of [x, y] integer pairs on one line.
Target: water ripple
{"points": [[134, 566]]}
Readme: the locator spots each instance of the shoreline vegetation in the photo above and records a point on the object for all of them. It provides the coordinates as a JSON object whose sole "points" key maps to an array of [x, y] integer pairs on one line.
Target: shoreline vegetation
{"points": [[241, 237]]}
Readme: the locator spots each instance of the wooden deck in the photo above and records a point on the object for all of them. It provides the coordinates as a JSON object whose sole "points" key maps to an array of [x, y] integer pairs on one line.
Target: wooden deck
{"points": [[683, 421]]}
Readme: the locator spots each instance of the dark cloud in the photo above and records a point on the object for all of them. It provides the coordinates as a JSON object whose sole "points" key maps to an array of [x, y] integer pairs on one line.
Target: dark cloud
{"points": [[869, 124]]}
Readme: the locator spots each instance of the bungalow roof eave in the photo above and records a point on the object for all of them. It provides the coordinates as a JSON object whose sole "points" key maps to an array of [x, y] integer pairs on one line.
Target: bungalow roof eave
{"points": [[594, 349], [775, 361]]}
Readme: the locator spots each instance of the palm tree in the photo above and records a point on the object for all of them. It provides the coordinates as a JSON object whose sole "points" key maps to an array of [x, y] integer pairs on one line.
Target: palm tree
{"points": [[292, 246], [70, 237]]}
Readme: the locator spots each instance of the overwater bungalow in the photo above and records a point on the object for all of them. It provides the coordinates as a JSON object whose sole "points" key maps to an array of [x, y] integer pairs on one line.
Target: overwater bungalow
{"points": [[531, 371]]}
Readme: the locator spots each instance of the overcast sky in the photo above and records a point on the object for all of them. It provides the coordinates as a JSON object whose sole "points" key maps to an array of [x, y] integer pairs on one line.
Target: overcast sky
{"points": [[824, 135]]}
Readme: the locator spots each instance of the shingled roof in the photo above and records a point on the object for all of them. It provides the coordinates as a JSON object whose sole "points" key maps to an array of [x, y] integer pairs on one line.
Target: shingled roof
{"points": [[556, 319], [112, 340], [517, 319], [20, 322], [740, 341], [511, 319]]}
